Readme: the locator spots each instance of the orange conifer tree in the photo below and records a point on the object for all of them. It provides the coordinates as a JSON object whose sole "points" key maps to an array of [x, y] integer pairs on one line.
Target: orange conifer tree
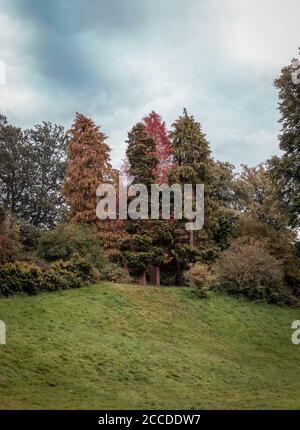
{"points": [[88, 166]]}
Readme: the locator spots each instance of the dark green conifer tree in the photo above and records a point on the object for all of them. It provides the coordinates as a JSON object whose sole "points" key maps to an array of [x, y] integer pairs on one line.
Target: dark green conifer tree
{"points": [[138, 248]]}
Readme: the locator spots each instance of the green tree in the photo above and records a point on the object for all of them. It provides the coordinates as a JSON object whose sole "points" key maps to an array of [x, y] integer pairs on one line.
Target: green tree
{"points": [[141, 156], [286, 169], [31, 172], [9, 237], [193, 165], [16, 169], [255, 194], [48, 143], [138, 248]]}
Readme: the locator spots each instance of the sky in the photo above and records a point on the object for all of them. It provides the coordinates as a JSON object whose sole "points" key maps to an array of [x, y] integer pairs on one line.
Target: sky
{"points": [[116, 60]]}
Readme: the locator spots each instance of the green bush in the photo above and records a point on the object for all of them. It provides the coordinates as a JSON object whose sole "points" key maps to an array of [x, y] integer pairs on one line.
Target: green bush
{"points": [[66, 240], [20, 277], [29, 235], [200, 278], [9, 237], [76, 273], [114, 273], [31, 279], [248, 269]]}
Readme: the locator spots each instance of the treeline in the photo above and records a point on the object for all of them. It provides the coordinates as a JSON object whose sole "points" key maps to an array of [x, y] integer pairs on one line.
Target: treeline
{"points": [[248, 245]]}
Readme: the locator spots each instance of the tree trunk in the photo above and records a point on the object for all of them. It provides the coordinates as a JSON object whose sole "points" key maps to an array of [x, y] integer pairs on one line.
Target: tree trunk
{"points": [[179, 274], [155, 275], [142, 278], [191, 238]]}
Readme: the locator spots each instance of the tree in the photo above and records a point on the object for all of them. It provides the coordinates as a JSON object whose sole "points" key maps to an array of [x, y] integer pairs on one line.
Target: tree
{"points": [[48, 144], [88, 166], [9, 237], [138, 249], [16, 168], [255, 195], [31, 172], [156, 129], [286, 169], [141, 156], [223, 183], [193, 165]]}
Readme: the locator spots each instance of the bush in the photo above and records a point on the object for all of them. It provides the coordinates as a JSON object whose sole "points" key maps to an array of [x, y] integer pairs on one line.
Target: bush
{"points": [[278, 243], [29, 235], [20, 277], [9, 237], [248, 269], [112, 272], [76, 273], [31, 279], [200, 278], [66, 240]]}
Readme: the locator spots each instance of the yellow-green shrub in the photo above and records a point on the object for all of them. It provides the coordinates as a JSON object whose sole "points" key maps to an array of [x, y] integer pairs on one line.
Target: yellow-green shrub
{"points": [[200, 278]]}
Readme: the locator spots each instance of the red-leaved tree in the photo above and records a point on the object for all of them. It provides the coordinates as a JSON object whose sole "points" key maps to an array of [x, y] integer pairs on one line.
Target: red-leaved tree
{"points": [[156, 129]]}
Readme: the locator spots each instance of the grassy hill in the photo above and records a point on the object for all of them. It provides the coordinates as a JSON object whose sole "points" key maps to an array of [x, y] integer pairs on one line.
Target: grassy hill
{"points": [[113, 346]]}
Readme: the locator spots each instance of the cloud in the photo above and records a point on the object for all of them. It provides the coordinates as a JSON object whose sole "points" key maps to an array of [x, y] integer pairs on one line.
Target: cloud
{"points": [[116, 60]]}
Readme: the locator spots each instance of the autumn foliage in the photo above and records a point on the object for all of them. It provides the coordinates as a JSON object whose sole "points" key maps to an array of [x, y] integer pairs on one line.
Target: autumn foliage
{"points": [[156, 129], [88, 167]]}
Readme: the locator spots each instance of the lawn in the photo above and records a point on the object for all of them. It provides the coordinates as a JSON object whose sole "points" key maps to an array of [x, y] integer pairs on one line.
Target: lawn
{"points": [[113, 346]]}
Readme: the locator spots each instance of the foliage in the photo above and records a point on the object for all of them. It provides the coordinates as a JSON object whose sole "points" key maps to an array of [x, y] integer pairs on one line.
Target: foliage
{"points": [[76, 273], [156, 129], [20, 277], [136, 253], [278, 243], [201, 279], [88, 166], [29, 278], [223, 182], [137, 247], [9, 237], [256, 195], [141, 155], [29, 235], [193, 165], [113, 272], [65, 240], [247, 269], [285, 170], [31, 172]]}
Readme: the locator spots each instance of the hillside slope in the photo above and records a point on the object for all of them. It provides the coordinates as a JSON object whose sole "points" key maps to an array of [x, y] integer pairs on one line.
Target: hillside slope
{"points": [[113, 346]]}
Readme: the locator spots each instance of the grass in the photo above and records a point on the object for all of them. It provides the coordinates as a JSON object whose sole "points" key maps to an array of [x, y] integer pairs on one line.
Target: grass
{"points": [[113, 346]]}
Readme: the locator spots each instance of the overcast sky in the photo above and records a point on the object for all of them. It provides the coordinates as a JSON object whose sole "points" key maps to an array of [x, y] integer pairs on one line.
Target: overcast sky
{"points": [[115, 60]]}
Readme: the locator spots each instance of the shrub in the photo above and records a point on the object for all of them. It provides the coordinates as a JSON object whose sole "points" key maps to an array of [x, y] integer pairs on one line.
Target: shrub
{"points": [[29, 235], [248, 269], [200, 278], [278, 243], [31, 279], [114, 273], [9, 237], [66, 240], [20, 277], [76, 273]]}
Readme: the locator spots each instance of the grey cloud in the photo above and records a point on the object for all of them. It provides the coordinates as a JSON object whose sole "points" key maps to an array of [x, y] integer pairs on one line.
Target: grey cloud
{"points": [[117, 59]]}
